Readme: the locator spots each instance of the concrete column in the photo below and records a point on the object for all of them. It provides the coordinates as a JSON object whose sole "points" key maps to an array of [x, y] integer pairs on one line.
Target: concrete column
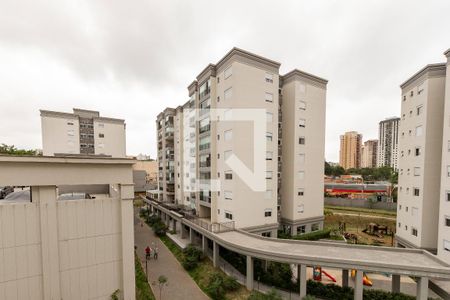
{"points": [[422, 288], [174, 225], [204, 244], [183, 231], [191, 235], [301, 273], [358, 292], [216, 254], [395, 283], [249, 279], [344, 278], [45, 196]]}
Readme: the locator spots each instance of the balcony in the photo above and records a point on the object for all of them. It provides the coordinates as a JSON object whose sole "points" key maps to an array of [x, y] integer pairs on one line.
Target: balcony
{"points": [[204, 146], [204, 129]]}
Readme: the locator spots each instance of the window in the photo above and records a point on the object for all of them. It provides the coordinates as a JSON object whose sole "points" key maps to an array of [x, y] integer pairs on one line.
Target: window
{"points": [[268, 195], [228, 135], [301, 158], [301, 229], [228, 215], [101, 135], [101, 125], [406, 208], [268, 213], [218, 137], [411, 93], [269, 117], [269, 77], [269, 97], [69, 123], [447, 221], [269, 174], [301, 140], [302, 123], [315, 227], [417, 151], [301, 208], [416, 192], [419, 130], [228, 115], [404, 98], [416, 171], [266, 234], [269, 136], [228, 72], [301, 192], [302, 105], [406, 227], [228, 175], [447, 196], [228, 195], [301, 175], [399, 224], [218, 79], [70, 132], [218, 98], [228, 94], [446, 245], [227, 154], [448, 171], [269, 155], [414, 231], [419, 109]]}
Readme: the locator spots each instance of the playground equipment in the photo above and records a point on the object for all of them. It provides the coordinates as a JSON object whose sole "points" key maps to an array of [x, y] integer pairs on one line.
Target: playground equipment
{"points": [[317, 274], [366, 279]]}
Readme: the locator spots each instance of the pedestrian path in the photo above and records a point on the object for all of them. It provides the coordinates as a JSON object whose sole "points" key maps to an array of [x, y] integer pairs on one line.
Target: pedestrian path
{"points": [[180, 284]]}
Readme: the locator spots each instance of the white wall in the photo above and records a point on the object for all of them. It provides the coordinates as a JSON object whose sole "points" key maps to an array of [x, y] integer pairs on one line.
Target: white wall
{"points": [[113, 143], [60, 137]]}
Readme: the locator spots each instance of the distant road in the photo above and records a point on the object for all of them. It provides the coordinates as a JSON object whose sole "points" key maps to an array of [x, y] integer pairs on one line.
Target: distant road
{"points": [[364, 215]]}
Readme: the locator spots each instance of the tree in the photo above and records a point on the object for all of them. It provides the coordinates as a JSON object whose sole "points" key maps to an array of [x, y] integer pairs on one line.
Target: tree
{"points": [[12, 150], [162, 282]]}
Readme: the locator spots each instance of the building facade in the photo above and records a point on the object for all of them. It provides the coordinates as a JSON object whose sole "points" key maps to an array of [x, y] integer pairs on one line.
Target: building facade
{"points": [[369, 154], [82, 132], [215, 126], [350, 150], [420, 152], [388, 134]]}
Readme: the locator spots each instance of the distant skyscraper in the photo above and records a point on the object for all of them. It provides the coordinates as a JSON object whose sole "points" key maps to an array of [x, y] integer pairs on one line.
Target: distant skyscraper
{"points": [[350, 153], [369, 154], [388, 143]]}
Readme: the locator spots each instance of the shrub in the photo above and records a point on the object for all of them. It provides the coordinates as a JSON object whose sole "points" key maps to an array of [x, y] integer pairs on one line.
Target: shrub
{"points": [[219, 285], [272, 295], [314, 236], [191, 257], [159, 228]]}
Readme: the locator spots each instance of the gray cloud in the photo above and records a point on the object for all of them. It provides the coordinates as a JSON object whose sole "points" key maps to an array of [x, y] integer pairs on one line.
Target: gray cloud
{"points": [[132, 59]]}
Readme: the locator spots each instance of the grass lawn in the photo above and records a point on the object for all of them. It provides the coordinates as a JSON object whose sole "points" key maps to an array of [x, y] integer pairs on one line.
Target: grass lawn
{"points": [[365, 211], [143, 290], [204, 270]]}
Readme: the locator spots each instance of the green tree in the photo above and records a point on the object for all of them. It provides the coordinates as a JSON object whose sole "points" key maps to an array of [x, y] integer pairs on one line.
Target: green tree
{"points": [[12, 150]]}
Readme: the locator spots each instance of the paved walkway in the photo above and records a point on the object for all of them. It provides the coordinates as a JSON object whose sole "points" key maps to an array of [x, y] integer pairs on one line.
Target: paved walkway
{"points": [[181, 285]]}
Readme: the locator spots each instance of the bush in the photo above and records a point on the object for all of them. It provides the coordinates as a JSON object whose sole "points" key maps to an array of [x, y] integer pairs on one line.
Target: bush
{"points": [[272, 295], [314, 236], [191, 257], [159, 228], [219, 285]]}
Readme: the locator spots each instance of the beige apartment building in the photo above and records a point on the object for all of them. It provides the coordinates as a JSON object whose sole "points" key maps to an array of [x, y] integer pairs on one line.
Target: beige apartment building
{"points": [[82, 132], [216, 126], [369, 154], [420, 189], [350, 150], [388, 134]]}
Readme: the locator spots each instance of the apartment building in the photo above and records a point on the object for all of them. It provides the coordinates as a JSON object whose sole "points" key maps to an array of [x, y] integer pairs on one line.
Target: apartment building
{"points": [[443, 245], [210, 129], [388, 133], [369, 154], [350, 150], [82, 132], [166, 154], [420, 152]]}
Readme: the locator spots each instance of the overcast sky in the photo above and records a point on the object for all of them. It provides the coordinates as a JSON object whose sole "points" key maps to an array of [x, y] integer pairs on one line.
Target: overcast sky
{"points": [[131, 59]]}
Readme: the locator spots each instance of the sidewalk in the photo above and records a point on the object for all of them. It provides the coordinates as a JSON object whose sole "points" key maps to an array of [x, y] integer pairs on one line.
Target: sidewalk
{"points": [[181, 285]]}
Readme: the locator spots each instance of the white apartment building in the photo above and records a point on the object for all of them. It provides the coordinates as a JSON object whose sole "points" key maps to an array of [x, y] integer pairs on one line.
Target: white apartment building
{"points": [[369, 154], [388, 135], [443, 245], [82, 132], [205, 136], [420, 151]]}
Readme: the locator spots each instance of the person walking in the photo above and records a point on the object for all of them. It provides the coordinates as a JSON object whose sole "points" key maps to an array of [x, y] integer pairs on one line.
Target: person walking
{"points": [[147, 253], [155, 255]]}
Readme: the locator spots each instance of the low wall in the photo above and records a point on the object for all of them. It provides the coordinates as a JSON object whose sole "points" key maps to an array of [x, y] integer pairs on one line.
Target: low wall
{"points": [[362, 203]]}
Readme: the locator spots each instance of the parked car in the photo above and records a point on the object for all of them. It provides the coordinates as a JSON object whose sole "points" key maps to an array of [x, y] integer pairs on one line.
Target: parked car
{"points": [[5, 191]]}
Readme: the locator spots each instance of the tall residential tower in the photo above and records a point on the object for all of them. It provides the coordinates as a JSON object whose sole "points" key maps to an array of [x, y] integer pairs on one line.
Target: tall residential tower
{"points": [[388, 142], [350, 150]]}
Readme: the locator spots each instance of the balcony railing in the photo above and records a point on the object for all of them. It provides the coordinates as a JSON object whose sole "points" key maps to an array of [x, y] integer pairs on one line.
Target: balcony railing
{"points": [[204, 128], [204, 146]]}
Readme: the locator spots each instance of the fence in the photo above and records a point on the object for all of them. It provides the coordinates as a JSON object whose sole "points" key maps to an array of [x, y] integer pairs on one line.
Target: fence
{"points": [[361, 203]]}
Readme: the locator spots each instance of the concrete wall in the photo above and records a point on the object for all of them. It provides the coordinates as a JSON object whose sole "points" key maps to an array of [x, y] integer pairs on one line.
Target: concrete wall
{"points": [[58, 136], [113, 143], [362, 203]]}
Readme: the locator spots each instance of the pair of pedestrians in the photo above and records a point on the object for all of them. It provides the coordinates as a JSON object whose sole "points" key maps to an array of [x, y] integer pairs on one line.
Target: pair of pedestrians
{"points": [[149, 251]]}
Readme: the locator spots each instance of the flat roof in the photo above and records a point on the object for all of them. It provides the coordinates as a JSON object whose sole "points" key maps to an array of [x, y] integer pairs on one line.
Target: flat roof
{"points": [[423, 71], [78, 159]]}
